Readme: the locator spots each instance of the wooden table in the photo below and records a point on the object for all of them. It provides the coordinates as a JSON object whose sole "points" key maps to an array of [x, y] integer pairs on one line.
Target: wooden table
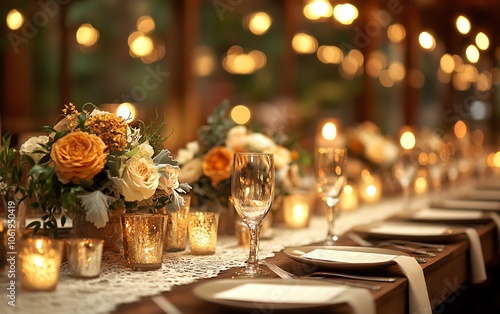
{"points": [[447, 277]]}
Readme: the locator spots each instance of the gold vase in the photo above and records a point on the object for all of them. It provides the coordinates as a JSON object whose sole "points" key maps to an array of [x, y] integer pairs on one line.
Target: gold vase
{"points": [[111, 233]]}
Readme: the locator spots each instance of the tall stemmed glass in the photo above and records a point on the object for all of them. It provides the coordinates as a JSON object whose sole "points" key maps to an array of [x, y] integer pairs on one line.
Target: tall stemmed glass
{"points": [[331, 176], [252, 189], [405, 169]]}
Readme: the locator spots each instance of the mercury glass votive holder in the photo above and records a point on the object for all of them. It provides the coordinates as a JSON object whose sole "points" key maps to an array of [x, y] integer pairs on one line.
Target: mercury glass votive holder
{"points": [[202, 229], [177, 226], [40, 263], [84, 257], [143, 238]]}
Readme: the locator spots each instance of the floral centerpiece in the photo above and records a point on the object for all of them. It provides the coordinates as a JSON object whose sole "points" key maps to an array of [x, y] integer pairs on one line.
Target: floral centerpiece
{"points": [[206, 163], [93, 163]]}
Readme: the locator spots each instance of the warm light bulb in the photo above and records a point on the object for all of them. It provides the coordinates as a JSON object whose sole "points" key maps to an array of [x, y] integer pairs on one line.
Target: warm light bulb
{"points": [[345, 13], [482, 41], [427, 41], [472, 54], [407, 140], [329, 131], [15, 19], [259, 23], [463, 24], [127, 111]]}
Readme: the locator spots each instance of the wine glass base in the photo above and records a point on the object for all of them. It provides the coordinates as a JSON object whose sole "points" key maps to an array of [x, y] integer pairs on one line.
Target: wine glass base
{"points": [[259, 272], [332, 241]]}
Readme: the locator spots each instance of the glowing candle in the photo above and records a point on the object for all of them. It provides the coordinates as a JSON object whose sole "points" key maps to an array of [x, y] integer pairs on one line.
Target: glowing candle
{"points": [[349, 200], [40, 264], [370, 187], [202, 230], [296, 210]]}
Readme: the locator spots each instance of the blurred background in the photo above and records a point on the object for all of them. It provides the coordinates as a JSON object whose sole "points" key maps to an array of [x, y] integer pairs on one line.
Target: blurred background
{"points": [[293, 63]]}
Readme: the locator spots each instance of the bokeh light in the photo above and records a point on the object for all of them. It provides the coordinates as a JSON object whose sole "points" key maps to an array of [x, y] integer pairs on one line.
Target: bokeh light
{"points": [[463, 25], [241, 114], [15, 19]]}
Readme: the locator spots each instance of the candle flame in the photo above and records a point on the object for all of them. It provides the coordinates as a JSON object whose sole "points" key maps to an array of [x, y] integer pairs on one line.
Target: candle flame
{"points": [[329, 131]]}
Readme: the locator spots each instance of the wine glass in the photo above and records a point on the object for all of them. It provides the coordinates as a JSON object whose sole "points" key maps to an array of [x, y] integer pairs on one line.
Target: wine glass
{"points": [[405, 169], [252, 189], [331, 176]]}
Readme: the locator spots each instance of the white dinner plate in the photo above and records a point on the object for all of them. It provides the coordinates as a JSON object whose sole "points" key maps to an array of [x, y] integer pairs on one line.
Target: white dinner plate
{"points": [[209, 291], [467, 204], [445, 215], [410, 231], [296, 253]]}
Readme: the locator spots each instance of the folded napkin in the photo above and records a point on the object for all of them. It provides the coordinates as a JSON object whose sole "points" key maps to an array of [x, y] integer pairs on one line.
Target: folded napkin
{"points": [[476, 256], [419, 298], [418, 295], [443, 214]]}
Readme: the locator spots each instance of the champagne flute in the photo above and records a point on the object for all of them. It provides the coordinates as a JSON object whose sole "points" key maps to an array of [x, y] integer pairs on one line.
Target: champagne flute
{"points": [[405, 170], [331, 176], [252, 189]]}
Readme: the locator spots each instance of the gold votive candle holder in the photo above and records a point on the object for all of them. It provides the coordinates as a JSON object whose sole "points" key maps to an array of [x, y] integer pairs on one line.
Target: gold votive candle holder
{"points": [[242, 233], [84, 257], [177, 225], [202, 229], [143, 238], [296, 208], [40, 263]]}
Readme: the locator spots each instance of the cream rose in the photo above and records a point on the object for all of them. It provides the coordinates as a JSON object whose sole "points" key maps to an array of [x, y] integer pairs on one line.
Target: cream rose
{"points": [[191, 171], [32, 144], [282, 157], [140, 179], [260, 143], [169, 181], [78, 156], [217, 164], [237, 138]]}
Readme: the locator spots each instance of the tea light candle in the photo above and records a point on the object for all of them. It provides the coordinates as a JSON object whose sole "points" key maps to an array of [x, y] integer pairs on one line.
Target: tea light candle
{"points": [[349, 199], [176, 233], [296, 210], [370, 187], [202, 230], [143, 239], [327, 135], [84, 257], [40, 264]]}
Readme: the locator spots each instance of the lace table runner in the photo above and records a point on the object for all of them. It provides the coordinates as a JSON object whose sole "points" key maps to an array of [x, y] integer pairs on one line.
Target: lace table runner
{"points": [[116, 285]]}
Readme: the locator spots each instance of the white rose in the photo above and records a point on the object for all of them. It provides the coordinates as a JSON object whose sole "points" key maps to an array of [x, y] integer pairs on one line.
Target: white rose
{"points": [[191, 171], [33, 144], [145, 151], [169, 181], [193, 146], [236, 138], [140, 179], [282, 157], [258, 142], [184, 156]]}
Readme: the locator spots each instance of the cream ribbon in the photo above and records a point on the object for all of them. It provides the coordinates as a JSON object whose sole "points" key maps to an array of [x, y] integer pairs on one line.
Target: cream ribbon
{"points": [[476, 256], [419, 297], [496, 220]]}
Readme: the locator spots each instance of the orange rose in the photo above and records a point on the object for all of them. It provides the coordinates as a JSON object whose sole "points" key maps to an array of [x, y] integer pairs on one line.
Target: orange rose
{"points": [[217, 164], [78, 156]]}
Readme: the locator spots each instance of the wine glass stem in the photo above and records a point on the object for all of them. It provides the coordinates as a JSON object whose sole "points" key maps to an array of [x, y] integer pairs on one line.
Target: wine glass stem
{"points": [[331, 213], [406, 198], [253, 261]]}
